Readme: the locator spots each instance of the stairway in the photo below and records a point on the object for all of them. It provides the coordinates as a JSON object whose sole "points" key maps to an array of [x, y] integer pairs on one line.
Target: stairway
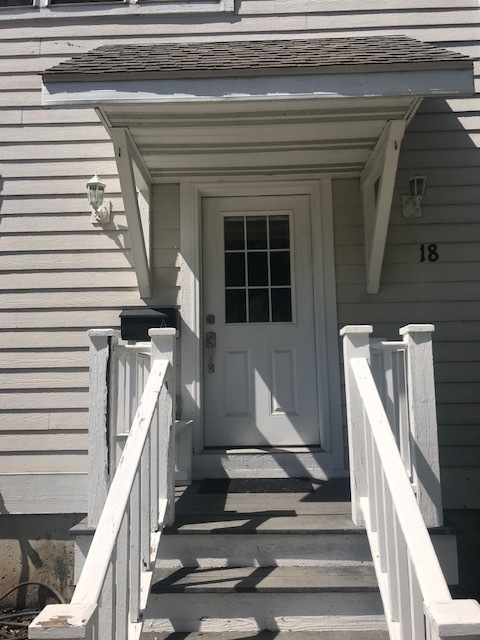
{"points": [[238, 564]]}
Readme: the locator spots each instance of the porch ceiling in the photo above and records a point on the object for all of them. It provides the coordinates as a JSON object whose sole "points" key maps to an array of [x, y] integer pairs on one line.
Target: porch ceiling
{"points": [[296, 137]]}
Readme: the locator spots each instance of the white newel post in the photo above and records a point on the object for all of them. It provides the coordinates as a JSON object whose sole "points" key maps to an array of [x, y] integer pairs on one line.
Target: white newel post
{"points": [[356, 344], [423, 420], [101, 342], [452, 620], [164, 347]]}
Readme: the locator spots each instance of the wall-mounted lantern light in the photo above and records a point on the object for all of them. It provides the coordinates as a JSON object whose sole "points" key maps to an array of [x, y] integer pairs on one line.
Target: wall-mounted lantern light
{"points": [[101, 211], [412, 204]]}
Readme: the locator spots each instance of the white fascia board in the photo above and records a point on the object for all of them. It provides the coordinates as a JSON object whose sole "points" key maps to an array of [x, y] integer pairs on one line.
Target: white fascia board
{"points": [[451, 82]]}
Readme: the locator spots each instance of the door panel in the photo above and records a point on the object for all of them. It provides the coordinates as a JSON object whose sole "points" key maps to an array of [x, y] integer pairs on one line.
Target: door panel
{"points": [[260, 380]]}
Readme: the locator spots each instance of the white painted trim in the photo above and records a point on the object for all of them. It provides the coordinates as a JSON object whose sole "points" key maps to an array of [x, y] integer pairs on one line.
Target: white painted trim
{"points": [[137, 210], [108, 11], [382, 166], [436, 82], [191, 304], [25, 493]]}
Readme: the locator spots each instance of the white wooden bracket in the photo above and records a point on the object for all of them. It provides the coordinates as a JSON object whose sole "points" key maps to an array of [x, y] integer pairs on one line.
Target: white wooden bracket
{"points": [[377, 182], [136, 186]]}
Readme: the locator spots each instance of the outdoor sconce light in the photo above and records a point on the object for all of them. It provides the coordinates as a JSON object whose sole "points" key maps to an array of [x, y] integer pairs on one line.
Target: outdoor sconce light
{"points": [[412, 204], [101, 211]]}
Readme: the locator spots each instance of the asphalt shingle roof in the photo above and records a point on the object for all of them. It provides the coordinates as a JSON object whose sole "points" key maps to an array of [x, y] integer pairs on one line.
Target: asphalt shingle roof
{"points": [[241, 58]]}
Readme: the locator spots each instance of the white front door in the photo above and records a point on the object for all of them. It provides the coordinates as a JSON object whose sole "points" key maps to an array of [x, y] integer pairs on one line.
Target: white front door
{"points": [[260, 374]]}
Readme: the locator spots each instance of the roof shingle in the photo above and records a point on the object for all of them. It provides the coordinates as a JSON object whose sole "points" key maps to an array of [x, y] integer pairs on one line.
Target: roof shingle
{"points": [[286, 56]]}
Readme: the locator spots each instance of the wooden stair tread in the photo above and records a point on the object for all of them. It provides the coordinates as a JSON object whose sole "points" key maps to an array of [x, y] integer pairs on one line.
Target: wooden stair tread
{"points": [[321, 634], [239, 523], [358, 577]]}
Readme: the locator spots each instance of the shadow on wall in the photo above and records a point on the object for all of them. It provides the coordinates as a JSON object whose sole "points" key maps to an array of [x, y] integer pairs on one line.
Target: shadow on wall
{"points": [[36, 548]]}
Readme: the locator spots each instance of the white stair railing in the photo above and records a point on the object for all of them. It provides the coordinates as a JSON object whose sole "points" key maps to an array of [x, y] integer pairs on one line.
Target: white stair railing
{"points": [[416, 598], [112, 590]]}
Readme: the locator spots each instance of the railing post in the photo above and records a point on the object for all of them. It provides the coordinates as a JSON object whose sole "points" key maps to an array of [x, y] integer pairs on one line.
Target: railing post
{"points": [[164, 348], [423, 421], [452, 620], [101, 342], [356, 344]]}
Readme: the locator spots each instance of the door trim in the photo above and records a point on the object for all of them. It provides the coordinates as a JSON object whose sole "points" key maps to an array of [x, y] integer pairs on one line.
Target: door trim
{"points": [[325, 304]]}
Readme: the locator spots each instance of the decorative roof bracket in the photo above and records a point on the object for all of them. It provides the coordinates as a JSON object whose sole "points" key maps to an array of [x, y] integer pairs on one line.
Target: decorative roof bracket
{"points": [[136, 186], [377, 182]]}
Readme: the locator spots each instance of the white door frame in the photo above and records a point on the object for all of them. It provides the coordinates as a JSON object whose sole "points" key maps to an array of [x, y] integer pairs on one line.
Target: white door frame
{"points": [[325, 304]]}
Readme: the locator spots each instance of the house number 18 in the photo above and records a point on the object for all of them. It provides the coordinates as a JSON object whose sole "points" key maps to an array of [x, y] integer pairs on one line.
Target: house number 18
{"points": [[428, 252]]}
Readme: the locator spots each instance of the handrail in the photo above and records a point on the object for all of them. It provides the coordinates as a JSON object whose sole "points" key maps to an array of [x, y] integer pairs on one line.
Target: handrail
{"points": [[139, 502], [416, 598], [403, 372]]}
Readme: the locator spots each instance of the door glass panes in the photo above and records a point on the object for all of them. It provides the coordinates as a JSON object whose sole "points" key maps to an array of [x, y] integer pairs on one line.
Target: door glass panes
{"points": [[258, 286]]}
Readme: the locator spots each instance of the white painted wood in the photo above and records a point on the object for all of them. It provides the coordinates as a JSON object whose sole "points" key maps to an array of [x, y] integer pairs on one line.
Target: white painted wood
{"points": [[385, 174], [101, 344], [446, 620], [355, 345], [163, 347], [423, 423], [43, 492], [263, 389], [136, 225], [63, 621], [347, 85]]}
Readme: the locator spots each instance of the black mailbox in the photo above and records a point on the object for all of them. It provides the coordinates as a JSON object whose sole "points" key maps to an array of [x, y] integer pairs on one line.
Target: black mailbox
{"points": [[136, 321]]}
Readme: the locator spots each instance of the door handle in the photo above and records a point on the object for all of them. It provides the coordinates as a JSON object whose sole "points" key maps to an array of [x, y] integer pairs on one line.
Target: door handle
{"points": [[211, 343]]}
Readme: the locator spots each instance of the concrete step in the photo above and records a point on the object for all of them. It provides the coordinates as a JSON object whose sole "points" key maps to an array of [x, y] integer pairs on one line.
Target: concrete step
{"points": [[325, 634], [264, 598], [242, 540]]}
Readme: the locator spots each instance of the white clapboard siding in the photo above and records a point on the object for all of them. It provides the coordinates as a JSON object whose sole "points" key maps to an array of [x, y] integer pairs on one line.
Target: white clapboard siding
{"points": [[79, 279], [59, 276], [18, 442], [59, 462], [52, 420], [77, 378]]}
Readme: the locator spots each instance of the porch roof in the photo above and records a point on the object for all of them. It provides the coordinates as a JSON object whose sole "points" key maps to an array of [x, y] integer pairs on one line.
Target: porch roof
{"points": [[335, 106]]}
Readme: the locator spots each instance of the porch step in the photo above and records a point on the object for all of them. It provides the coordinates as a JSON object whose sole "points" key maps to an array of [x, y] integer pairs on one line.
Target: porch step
{"points": [[264, 598], [245, 563], [242, 540], [325, 634]]}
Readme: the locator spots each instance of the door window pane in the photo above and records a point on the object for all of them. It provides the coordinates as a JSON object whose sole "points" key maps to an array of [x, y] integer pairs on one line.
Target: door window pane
{"points": [[257, 269], [235, 269], [257, 232], [235, 305], [279, 232], [234, 233], [258, 305], [281, 305], [280, 267]]}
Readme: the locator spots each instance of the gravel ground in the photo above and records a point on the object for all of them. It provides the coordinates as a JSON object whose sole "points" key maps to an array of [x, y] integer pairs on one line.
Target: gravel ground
{"points": [[14, 623]]}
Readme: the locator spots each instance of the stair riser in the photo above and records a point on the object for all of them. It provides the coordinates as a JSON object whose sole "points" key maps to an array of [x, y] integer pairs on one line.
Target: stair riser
{"points": [[262, 550], [264, 611]]}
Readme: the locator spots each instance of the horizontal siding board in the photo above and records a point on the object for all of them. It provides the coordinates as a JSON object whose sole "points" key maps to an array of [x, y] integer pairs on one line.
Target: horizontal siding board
{"points": [[98, 240], [59, 462], [56, 133], [67, 168], [54, 420], [440, 272], [62, 260], [56, 379], [43, 359], [44, 493], [46, 339], [46, 186], [411, 292], [47, 205], [60, 222], [67, 279], [459, 488], [465, 435], [60, 150], [58, 299], [458, 456], [375, 7], [69, 319], [40, 441]]}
